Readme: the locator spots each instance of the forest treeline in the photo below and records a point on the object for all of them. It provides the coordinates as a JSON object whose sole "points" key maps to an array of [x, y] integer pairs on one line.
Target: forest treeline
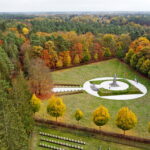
{"points": [[31, 46]]}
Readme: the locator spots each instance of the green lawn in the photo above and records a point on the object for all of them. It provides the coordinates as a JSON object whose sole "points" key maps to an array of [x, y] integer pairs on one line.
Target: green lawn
{"points": [[88, 103], [92, 142]]}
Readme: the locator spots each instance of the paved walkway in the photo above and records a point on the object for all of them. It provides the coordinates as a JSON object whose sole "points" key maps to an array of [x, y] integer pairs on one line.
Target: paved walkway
{"points": [[66, 89], [87, 88]]}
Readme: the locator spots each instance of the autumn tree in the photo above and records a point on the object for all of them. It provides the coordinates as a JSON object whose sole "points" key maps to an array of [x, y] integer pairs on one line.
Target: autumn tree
{"points": [[37, 50], [59, 63], [109, 41], [129, 55], [138, 44], [78, 49], [95, 56], [67, 59], [101, 116], [149, 127], [35, 103], [78, 115], [25, 31], [86, 55], [40, 78], [97, 51], [107, 52], [76, 59], [126, 119], [134, 60], [49, 45], [140, 62], [45, 57], [119, 52], [145, 67], [124, 40], [52, 54], [56, 107]]}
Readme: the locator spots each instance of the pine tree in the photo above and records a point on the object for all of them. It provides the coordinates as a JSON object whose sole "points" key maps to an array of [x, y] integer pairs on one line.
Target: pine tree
{"points": [[6, 66], [126, 119], [101, 116], [13, 134], [21, 95], [56, 107], [149, 74], [26, 62]]}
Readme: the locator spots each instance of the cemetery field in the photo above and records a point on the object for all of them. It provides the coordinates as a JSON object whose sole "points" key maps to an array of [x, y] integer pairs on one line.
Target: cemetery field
{"points": [[91, 142], [88, 103]]}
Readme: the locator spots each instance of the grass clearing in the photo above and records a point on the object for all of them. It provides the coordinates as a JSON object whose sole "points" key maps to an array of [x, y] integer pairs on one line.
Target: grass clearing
{"points": [[88, 103]]}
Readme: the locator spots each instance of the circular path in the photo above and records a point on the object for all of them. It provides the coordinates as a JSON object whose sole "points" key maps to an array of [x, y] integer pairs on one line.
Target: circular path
{"points": [[141, 87]]}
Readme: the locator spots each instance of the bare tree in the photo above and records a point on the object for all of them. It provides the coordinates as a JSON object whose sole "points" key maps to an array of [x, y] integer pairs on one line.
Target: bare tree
{"points": [[40, 77]]}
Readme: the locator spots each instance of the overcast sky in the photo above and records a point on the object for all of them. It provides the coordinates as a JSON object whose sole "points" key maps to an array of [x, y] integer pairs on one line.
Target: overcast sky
{"points": [[74, 5]]}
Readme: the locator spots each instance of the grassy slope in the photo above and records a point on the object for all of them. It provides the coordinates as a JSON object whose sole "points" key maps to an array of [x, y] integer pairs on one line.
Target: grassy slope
{"points": [[91, 143], [88, 103]]}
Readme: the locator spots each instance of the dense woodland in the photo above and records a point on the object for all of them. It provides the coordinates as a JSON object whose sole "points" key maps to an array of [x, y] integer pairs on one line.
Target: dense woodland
{"points": [[30, 43]]}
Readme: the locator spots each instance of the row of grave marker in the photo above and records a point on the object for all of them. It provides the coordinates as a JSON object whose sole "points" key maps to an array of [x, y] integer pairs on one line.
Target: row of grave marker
{"points": [[62, 138], [62, 143]]}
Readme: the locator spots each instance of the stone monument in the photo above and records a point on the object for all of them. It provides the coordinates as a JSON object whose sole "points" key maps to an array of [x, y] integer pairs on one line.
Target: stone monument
{"points": [[114, 83]]}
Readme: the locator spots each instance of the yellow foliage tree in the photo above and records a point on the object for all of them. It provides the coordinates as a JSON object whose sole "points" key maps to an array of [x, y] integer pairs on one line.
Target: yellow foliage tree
{"points": [[59, 63], [50, 45], [25, 31], [95, 56], [78, 115], [101, 116], [76, 59], [36, 103], [37, 50], [56, 107], [126, 119], [149, 127], [67, 59]]}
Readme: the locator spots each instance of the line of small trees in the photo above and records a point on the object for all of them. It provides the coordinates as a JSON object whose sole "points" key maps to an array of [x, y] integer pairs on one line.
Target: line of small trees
{"points": [[125, 118]]}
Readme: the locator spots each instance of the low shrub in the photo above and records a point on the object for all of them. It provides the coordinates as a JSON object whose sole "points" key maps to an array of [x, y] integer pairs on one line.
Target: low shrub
{"points": [[130, 90]]}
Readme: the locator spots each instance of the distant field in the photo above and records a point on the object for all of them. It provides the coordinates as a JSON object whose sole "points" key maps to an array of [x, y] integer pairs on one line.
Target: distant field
{"points": [[92, 143], [88, 103]]}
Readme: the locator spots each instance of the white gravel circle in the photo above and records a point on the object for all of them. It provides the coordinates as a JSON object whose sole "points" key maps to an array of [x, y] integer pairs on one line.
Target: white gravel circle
{"points": [[141, 87]]}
